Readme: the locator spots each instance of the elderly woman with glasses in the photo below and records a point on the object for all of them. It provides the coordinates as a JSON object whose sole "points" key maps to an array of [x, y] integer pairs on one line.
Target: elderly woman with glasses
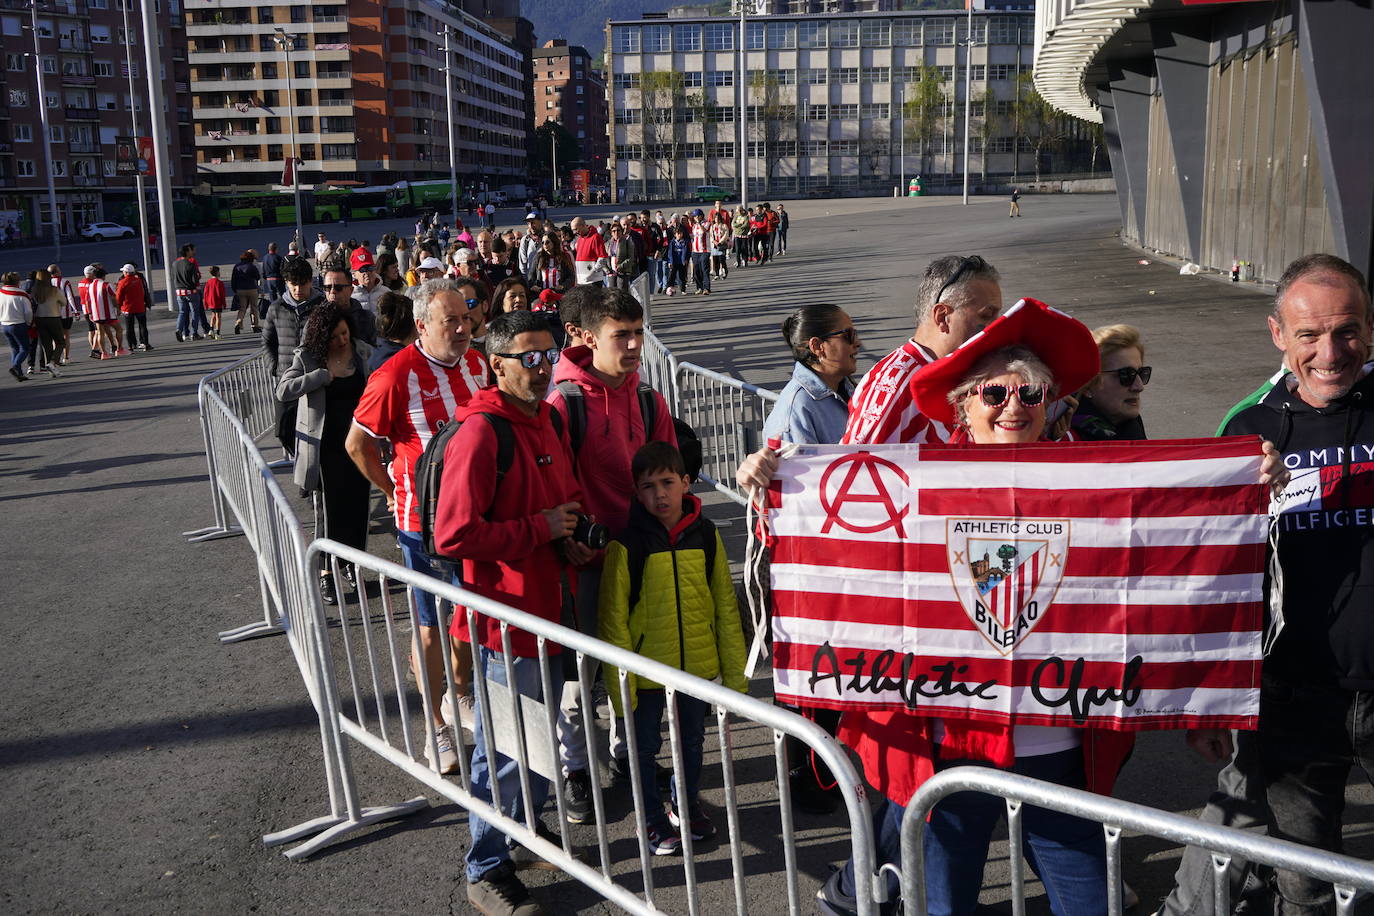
{"points": [[1109, 405], [996, 389]]}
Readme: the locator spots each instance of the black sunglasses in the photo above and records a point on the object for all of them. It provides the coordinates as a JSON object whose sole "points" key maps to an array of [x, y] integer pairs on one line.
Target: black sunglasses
{"points": [[849, 334], [532, 358], [973, 262], [997, 395], [1126, 375]]}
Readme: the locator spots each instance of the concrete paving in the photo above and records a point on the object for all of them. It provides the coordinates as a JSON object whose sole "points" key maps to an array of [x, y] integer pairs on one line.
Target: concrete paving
{"points": [[142, 760]]}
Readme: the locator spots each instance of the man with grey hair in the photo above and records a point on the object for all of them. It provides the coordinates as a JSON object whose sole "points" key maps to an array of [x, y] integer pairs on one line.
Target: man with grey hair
{"points": [[406, 401], [1289, 776]]}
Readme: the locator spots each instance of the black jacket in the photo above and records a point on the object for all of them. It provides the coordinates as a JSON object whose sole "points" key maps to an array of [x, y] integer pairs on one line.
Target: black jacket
{"points": [[1090, 425], [1325, 536], [281, 330]]}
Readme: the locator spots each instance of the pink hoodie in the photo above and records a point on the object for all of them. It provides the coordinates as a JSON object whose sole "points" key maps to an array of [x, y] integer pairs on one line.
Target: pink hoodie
{"points": [[615, 431]]}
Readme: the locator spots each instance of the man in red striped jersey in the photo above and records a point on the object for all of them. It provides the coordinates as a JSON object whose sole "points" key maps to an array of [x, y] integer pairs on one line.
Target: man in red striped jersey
{"points": [[102, 313], [957, 298], [406, 400]]}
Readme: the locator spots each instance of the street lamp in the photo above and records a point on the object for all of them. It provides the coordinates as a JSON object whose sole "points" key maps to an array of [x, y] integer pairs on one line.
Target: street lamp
{"points": [[47, 136], [287, 41], [553, 148], [742, 7], [968, 93], [448, 109], [133, 126]]}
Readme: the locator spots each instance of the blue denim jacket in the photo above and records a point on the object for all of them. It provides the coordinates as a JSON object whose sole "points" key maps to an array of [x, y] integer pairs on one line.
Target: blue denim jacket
{"points": [[807, 412]]}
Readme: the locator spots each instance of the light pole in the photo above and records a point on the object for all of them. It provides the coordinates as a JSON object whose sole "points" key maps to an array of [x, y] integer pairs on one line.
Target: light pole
{"points": [[901, 142], [553, 147], [742, 108], [286, 41], [162, 164], [47, 136], [968, 93], [133, 127], [448, 109]]}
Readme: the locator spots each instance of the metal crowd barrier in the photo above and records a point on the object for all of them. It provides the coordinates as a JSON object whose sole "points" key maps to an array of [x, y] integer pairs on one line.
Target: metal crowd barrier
{"points": [[728, 416], [1348, 875], [365, 675], [248, 392], [658, 367]]}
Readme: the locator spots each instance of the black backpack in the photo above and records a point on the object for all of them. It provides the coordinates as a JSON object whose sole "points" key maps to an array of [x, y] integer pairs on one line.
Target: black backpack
{"points": [[688, 443], [636, 555], [429, 468]]}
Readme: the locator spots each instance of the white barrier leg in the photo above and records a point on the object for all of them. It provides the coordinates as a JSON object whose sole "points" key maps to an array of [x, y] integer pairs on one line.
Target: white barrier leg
{"points": [[265, 627]]}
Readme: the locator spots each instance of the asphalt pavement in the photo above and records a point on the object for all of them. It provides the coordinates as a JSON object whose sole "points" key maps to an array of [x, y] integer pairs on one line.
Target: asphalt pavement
{"points": [[141, 761]]}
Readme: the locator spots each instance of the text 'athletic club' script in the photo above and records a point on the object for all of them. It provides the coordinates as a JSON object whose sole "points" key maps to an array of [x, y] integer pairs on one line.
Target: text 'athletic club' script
{"points": [[1115, 585]]}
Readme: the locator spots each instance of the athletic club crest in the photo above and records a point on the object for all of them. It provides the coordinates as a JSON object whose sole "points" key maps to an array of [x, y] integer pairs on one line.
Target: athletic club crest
{"points": [[1006, 572]]}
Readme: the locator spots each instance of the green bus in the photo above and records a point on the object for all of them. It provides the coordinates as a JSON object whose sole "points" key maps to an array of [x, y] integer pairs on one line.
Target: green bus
{"points": [[406, 198], [357, 203], [256, 208]]}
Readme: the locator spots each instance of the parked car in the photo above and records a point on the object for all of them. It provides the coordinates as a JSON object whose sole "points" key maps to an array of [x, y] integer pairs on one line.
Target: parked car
{"points": [[107, 231], [707, 193]]}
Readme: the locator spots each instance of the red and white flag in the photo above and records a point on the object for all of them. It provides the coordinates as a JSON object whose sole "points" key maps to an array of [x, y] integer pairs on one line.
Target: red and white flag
{"points": [[1118, 585]]}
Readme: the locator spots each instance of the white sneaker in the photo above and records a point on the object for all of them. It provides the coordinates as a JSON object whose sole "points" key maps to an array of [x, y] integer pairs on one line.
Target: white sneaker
{"points": [[467, 709], [448, 757], [29, 373], [52, 370]]}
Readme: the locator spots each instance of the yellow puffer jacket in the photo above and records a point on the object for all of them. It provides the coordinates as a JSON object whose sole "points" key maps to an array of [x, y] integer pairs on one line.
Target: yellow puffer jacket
{"points": [[684, 616]]}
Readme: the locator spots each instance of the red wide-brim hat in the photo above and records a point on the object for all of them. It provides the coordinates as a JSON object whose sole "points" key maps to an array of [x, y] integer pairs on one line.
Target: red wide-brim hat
{"points": [[1065, 345]]}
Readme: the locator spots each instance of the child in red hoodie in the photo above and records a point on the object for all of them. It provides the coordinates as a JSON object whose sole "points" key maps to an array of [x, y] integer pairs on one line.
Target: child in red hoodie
{"points": [[214, 300]]}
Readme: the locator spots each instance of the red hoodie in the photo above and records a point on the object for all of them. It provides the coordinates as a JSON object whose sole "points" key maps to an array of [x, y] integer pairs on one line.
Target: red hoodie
{"points": [[615, 431], [498, 532]]}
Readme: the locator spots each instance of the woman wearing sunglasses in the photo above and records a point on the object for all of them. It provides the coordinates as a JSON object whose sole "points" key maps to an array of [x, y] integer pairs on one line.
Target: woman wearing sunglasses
{"points": [[813, 409], [1109, 405]]}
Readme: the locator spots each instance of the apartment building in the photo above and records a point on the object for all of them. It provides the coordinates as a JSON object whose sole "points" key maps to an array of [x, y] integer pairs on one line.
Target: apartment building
{"points": [[362, 85], [84, 54], [825, 101], [569, 92]]}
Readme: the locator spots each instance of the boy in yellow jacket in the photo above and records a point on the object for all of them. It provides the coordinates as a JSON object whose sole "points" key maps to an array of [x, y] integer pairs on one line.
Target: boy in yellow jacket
{"points": [[666, 594]]}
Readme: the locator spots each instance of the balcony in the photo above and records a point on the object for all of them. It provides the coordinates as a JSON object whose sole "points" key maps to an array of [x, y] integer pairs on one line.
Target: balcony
{"points": [[83, 146], [78, 79], [67, 43], [82, 114], [88, 181]]}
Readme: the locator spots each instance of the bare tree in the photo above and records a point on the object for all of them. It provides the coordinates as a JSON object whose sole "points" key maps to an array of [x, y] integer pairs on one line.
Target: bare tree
{"points": [[774, 122], [988, 124], [925, 112], [703, 112], [1041, 126], [662, 100], [873, 150]]}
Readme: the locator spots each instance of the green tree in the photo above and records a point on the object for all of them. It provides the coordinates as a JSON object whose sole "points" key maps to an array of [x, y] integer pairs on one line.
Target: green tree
{"points": [[924, 111], [1039, 125], [704, 113], [773, 124]]}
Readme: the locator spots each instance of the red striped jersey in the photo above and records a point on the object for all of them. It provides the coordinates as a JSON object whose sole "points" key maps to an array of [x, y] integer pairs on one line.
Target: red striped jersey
{"points": [[882, 410], [98, 300], [406, 400], [1116, 585], [700, 238]]}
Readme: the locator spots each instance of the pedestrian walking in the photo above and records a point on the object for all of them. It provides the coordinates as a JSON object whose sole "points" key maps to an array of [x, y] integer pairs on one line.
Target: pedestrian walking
{"points": [[244, 281]]}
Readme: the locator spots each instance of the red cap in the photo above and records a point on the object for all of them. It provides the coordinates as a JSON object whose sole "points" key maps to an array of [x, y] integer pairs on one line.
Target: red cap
{"points": [[550, 296], [1065, 344], [361, 258]]}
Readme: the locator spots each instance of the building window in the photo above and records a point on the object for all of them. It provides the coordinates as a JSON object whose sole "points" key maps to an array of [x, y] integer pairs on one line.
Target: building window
{"points": [[629, 116], [811, 34], [548, 106], [844, 147], [307, 151], [1001, 71], [50, 65], [720, 78], [814, 76], [939, 31], [724, 150], [14, 63], [782, 35], [720, 36], [844, 112], [980, 72], [946, 71], [103, 68], [658, 38], [26, 169], [849, 75], [59, 168], [844, 33], [19, 98], [338, 151], [906, 32], [687, 38], [107, 166], [874, 110], [1003, 30], [815, 148], [580, 87], [56, 134], [816, 112], [625, 39], [23, 133], [627, 81], [691, 79], [754, 36], [876, 33], [877, 74], [783, 77], [548, 90]]}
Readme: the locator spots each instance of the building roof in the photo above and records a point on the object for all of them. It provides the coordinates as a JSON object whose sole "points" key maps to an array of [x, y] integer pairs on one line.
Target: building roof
{"points": [[560, 51]]}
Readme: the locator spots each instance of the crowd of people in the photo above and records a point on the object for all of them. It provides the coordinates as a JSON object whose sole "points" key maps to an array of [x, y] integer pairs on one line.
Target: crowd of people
{"points": [[519, 353]]}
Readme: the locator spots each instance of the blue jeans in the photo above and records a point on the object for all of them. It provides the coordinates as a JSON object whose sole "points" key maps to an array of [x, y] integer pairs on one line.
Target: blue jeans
{"points": [[1068, 853], [413, 556], [18, 336], [660, 274], [648, 725], [191, 316], [489, 848]]}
